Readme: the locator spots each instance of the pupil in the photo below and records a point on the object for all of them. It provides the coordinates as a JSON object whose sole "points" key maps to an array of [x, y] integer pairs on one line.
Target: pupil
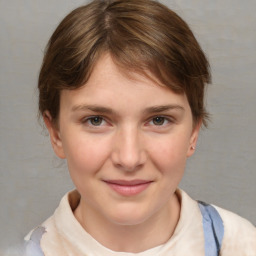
{"points": [[158, 120], [96, 120]]}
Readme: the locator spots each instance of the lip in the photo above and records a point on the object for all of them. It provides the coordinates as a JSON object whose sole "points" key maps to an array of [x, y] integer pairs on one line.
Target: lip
{"points": [[128, 187]]}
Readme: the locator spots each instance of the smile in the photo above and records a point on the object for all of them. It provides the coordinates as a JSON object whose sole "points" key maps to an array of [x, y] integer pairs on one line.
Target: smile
{"points": [[128, 188]]}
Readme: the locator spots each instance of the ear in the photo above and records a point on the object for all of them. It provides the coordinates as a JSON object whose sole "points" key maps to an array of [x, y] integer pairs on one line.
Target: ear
{"points": [[193, 139], [54, 135]]}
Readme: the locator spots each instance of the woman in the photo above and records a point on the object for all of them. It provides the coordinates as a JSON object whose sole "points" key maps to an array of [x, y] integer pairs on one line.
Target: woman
{"points": [[121, 91]]}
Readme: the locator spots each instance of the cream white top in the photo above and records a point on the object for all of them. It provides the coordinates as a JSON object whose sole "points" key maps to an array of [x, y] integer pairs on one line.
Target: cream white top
{"points": [[66, 237]]}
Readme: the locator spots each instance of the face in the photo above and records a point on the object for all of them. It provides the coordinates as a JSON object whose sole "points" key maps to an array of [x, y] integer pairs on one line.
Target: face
{"points": [[126, 141]]}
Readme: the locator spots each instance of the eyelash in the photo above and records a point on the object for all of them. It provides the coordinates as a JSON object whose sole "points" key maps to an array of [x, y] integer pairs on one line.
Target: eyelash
{"points": [[88, 120], [165, 121]]}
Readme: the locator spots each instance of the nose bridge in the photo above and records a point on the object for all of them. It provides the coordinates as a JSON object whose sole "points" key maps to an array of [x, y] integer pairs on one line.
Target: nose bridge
{"points": [[128, 152]]}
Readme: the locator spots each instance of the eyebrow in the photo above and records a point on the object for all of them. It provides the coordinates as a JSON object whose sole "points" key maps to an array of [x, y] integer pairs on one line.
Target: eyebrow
{"points": [[158, 109], [94, 108], [105, 110]]}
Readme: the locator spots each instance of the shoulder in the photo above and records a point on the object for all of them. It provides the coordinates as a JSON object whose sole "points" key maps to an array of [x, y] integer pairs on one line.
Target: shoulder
{"points": [[239, 235], [44, 240], [49, 238], [33, 242]]}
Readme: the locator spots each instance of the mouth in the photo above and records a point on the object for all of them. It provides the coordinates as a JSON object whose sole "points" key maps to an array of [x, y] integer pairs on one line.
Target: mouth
{"points": [[128, 187]]}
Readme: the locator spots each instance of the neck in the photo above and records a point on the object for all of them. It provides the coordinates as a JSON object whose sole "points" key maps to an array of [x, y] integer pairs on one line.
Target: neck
{"points": [[131, 238]]}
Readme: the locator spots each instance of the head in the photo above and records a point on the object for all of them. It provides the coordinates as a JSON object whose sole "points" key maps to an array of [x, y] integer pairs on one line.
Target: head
{"points": [[141, 36], [131, 155]]}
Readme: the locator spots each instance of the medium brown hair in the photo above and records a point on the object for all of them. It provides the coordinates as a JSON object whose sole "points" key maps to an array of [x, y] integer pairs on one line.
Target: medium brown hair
{"points": [[142, 36]]}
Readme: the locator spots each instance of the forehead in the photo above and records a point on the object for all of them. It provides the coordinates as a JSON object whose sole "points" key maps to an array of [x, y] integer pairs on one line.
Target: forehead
{"points": [[113, 86]]}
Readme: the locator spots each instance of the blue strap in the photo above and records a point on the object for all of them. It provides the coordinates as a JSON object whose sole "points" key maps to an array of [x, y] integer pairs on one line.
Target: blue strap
{"points": [[33, 247], [213, 229]]}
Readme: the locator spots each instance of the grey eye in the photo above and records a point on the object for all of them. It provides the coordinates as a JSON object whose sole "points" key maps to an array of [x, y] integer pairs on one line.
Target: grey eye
{"points": [[96, 120], [159, 120]]}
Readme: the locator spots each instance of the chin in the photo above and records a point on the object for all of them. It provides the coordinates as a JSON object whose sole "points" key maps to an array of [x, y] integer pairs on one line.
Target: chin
{"points": [[129, 216]]}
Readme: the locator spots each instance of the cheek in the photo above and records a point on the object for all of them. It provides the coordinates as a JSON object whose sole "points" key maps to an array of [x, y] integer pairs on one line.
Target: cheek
{"points": [[86, 155], [170, 154]]}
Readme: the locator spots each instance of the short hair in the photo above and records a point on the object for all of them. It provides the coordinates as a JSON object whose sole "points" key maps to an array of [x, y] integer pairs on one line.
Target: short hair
{"points": [[142, 36]]}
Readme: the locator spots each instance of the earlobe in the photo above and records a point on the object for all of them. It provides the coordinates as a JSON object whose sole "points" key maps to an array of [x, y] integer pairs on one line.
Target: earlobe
{"points": [[193, 139], [54, 135]]}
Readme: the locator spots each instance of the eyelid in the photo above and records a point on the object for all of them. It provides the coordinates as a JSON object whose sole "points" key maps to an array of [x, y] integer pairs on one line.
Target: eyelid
{"points": [[170, 119], [85, 120], [107, 122]]}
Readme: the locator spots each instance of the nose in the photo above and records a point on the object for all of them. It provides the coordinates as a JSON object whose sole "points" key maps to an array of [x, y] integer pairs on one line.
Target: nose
{"points": [[128, 153]]}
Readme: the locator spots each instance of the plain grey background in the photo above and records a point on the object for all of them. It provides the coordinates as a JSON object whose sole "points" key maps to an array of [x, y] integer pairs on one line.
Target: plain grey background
{"points": [[32, 179]]}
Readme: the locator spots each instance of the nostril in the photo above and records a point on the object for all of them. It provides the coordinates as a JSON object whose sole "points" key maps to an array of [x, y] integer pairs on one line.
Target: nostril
{"points": [[127, 149], [128, 163], [126, 168]]}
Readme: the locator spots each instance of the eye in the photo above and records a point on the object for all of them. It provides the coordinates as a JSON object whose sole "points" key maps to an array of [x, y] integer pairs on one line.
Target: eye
{"points": [[159, 121], [94, 121]]}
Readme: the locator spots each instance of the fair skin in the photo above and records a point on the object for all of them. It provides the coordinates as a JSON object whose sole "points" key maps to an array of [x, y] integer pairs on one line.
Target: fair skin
{"points": [[126, 141]]}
